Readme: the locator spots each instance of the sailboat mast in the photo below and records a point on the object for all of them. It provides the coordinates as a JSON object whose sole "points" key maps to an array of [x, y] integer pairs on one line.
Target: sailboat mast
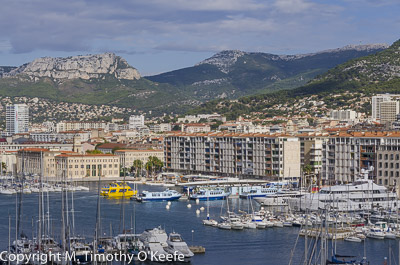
{"points": [[39, 236], [9, 237], [63, 210], [97, 228]]}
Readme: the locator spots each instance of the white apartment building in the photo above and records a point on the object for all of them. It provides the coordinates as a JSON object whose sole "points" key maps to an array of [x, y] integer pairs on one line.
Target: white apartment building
{"points": [[162, 127], [10, 147], [389, 111], [345, 154], [347, 115], [17, 118], [376, 103], [61, 136], [136, 121], [196, 127], [233, 154], [78, 125], [197, 118]]}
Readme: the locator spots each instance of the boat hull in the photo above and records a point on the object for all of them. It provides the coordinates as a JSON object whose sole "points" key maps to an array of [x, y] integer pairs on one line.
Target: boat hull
{"points": [[209, 198], [174, 198]]}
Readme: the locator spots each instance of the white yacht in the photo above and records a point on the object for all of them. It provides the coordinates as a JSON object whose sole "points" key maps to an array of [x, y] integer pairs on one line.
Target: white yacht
{"points": [[125, 241], [280, 198], [154, 241], [259, 191], [362, 195], [376, 232], [176, 245]]}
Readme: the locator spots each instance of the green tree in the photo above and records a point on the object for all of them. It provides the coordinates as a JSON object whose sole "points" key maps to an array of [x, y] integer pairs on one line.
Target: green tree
{"points": [[307, 169], [137, 165], [176, 127], [154, 164], [3, 167], [215, 125], [94, 152]]}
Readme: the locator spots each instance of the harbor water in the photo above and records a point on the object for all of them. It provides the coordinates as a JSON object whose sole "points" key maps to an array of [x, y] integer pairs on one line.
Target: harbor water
{"points": [[245, 247]]}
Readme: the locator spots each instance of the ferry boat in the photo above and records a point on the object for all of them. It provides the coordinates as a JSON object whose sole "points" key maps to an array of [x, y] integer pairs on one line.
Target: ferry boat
{"points": [[362, 195], [259, 191], [167, 195], [117, 190], [210, 194]]}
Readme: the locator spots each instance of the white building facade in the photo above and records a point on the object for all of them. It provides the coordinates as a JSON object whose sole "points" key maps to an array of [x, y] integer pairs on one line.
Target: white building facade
{"points": [[17, 118]]}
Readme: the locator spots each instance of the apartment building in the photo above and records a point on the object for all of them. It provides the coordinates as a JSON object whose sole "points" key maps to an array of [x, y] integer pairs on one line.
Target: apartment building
{"points": [[136, 121], [60, 136], [378, 101], [162, 127], [233, 154], [79, 125], [346, 153], [17, 118], [343, 115], [311, 146], [389, 111], [196, 127], [128, 156], [13, 147]]}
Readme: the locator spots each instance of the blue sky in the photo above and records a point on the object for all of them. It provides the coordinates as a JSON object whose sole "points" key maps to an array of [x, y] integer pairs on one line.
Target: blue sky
{"points": [[162, 35]]}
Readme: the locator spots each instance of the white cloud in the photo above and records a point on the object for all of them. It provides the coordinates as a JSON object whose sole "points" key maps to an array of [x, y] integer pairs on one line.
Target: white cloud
{"points": [[292, 6], [210, 5]]}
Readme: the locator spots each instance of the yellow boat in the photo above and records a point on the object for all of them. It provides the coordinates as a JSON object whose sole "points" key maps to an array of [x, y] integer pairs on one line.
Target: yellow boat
{"points": [[118, 190]]}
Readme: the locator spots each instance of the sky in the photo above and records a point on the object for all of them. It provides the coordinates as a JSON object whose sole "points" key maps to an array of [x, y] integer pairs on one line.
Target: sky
{"points": [[157, 36]]}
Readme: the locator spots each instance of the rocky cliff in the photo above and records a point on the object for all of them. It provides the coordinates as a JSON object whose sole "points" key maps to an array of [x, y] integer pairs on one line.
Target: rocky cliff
{"points": [[75, 67]]}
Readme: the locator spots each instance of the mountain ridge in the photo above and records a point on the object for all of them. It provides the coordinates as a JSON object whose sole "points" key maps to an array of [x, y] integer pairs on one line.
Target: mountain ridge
{"points": [[340, 87], [232, 73], [108, 79], [74, 67]]}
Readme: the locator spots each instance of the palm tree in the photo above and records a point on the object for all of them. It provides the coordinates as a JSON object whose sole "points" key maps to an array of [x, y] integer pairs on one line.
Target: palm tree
{"points": [[157, 163], [3, 167], [153, 164], [138, 165], [307, 169]]}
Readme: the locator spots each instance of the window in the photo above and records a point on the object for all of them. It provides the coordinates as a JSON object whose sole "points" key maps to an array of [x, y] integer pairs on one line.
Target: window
{"points": [[93, 170]]}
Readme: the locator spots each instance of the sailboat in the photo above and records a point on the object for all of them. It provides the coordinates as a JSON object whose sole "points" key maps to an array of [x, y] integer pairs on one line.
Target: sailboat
{"points": [[208, 221]]}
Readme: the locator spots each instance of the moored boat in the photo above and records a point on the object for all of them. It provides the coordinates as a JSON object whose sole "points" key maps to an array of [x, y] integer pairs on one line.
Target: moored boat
{"points": [[210, 194], [167, 195], [117, 190]]}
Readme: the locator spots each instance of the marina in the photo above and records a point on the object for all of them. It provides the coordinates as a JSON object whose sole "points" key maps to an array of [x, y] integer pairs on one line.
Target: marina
{"points": [[253, 229]]}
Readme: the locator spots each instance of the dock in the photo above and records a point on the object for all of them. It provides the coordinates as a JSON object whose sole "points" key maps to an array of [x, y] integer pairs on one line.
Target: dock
{"points": [[197, 249], [225, 182]]}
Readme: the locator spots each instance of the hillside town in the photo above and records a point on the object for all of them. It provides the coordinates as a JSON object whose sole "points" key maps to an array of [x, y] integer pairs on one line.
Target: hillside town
{"points": [[332, 148]]}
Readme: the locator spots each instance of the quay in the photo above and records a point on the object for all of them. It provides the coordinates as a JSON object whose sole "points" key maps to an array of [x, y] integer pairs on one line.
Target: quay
{"points": [[197, 249], [224, 182]]}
